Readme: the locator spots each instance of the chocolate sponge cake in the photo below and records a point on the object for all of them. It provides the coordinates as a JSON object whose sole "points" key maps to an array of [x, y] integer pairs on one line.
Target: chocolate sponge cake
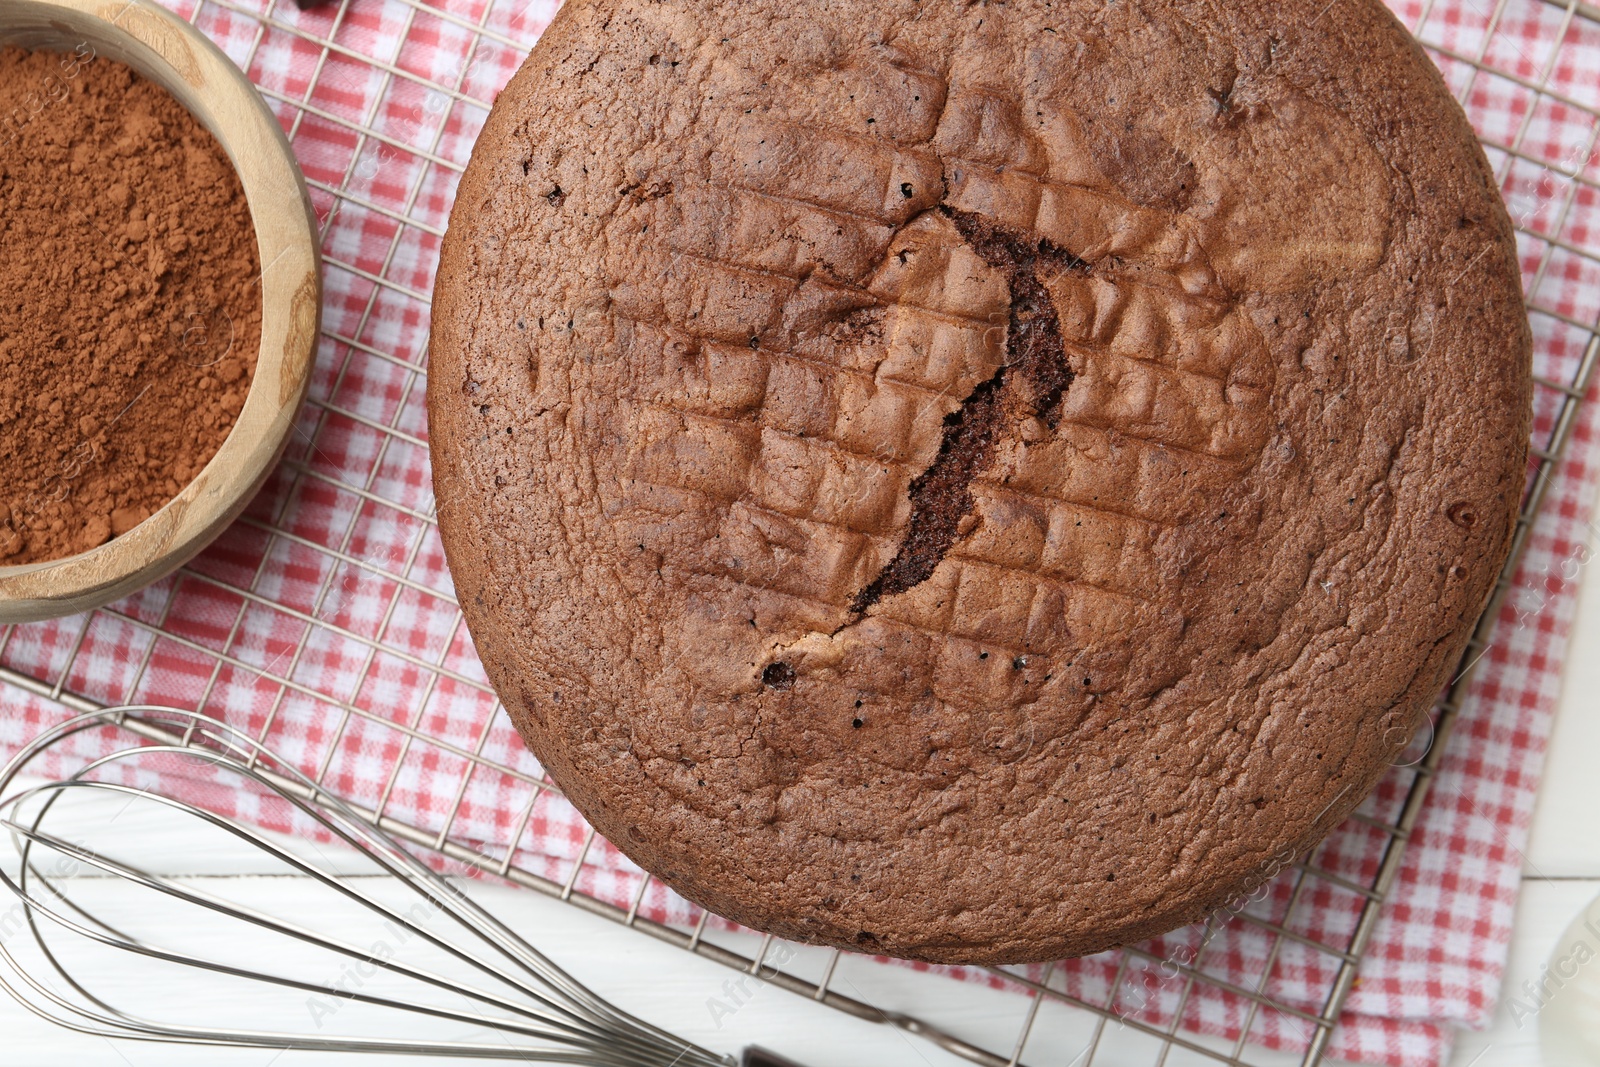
{"points": [[974, 481]]}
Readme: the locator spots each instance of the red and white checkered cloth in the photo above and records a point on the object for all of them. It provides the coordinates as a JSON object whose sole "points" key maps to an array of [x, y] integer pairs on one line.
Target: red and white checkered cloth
{"points": [[332, 594]]}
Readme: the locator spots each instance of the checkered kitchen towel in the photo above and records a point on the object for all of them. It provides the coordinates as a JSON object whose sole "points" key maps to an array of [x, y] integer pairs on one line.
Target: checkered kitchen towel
{"points": [[324, 621]]}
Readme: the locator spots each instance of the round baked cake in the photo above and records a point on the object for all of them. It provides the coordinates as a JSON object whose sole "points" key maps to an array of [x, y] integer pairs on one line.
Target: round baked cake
{"points": [[974, 481]]}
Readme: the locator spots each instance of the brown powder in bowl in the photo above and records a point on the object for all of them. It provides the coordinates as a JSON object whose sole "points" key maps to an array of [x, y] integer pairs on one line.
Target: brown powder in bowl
{"points": [[130, 306]]}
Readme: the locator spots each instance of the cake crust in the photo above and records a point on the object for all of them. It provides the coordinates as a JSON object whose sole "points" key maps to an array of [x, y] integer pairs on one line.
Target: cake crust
{"points": [[975, 482]]}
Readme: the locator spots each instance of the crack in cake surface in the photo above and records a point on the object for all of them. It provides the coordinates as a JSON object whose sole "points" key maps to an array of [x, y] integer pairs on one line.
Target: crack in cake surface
{"points": [[1029, 384]]}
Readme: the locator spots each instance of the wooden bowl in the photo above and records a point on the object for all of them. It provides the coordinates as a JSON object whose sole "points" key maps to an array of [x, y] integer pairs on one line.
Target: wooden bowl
{"points": [[175, 55]]}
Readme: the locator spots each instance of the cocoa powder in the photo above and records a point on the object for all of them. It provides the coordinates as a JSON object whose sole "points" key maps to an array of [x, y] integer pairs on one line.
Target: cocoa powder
{"points": [[130, 307]]}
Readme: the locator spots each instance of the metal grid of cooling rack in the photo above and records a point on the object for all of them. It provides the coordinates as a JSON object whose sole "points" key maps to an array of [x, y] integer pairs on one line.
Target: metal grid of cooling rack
{"points": [[462, 105]]}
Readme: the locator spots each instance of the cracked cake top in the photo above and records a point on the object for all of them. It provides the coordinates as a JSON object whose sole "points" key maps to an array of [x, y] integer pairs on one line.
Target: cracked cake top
{"points": [[974, 481]]}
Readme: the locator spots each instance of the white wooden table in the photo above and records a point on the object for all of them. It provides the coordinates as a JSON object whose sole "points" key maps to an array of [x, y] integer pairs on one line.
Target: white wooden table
{"points": [[1561, 876]]}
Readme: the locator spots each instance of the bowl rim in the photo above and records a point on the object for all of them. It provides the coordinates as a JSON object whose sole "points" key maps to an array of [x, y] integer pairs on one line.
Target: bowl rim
{"points": [[174, 54]]}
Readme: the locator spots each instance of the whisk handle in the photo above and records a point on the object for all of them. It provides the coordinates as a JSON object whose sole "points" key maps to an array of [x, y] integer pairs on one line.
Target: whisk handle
{"points": [[760, 1057]]}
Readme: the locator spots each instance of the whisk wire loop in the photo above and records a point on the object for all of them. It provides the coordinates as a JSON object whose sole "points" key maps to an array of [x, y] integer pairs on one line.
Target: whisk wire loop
{"points": [[544, 1014]]}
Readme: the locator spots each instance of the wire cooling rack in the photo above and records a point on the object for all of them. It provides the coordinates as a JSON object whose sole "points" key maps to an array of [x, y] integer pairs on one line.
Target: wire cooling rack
{"points": [[336, 571]]}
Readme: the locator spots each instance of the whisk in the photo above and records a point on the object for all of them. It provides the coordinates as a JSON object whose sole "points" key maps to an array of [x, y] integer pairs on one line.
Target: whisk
{"points": [[441, 963]]}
